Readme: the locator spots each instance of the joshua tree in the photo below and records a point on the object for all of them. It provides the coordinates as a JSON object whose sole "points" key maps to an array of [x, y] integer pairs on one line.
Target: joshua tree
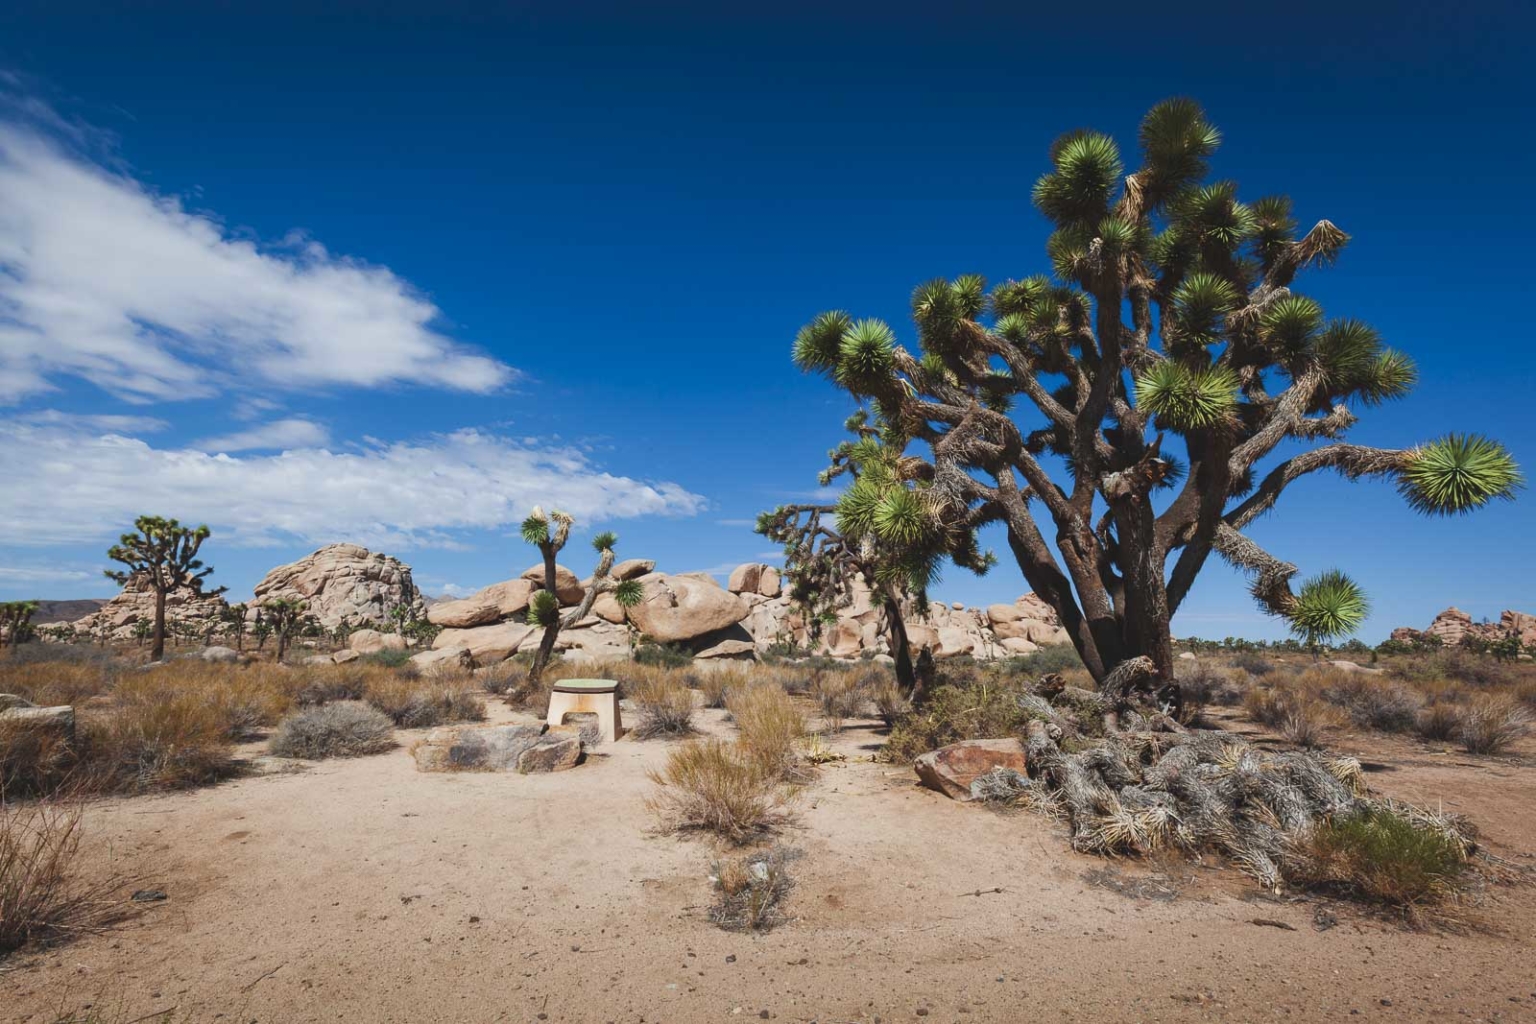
{"points": [[142, 629], [1219, 357], [233, 617], [16, 620], [544, 606], [284, 616], [261, 630], [165, 552], [884, 530]]}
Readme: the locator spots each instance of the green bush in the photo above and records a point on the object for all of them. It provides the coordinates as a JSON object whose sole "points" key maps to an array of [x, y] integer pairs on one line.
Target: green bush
{"points": [[976, 709], [1048, 659], [1381, 856], [663, 655]]}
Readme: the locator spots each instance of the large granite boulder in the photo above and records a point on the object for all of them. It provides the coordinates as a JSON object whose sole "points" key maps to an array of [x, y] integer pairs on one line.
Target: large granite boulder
{"points": [[56, 721], [486, 644], [1450, 626], [345, 583], [632, 569], [952, 769], [679, 608], [568, 587], [371, 641], [463, 614]]}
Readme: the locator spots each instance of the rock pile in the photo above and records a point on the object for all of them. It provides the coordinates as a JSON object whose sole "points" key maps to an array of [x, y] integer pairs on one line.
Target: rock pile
{"points": [[345, 584], [1453, 626], [137, 602]]}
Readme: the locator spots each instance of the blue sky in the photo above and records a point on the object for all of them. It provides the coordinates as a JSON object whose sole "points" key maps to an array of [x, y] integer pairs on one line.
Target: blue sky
{"points": [[395, 272]]}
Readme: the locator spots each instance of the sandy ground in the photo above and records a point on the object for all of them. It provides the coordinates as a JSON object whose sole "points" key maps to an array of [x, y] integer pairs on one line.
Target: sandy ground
{"points": [[365, 891]]}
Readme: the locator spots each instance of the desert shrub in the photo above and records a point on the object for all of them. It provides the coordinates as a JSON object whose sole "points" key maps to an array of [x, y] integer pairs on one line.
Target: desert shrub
{"points": [[1253, 663], [750, 891], [1380, 855], [49, 675], [323, 684], [712, 786], [1460, 665], [248, 698], [663, 655], [388, 659], [973, 709], [1489, 725], [341, 729], [1439, 720], [890, 703], [841, 695], [506, 679], [792, 677], [715, 684], [163, 734], [663, 705], [422, 703], [33, 760], [770, 727], [1292, 712], [43, 896], [1370, 702], [1050, 658], [1202, 684]]}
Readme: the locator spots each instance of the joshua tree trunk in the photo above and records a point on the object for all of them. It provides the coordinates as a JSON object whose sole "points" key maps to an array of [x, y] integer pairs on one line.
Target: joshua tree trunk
{"points": [[157, 638], [552, 630], [901, 650]]}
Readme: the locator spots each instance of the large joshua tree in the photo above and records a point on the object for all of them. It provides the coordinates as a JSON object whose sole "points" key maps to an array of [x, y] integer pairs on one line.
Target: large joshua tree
{"points": [[1171, 321], [165, 553], [549, 533], [16, 621], [883, 532]]}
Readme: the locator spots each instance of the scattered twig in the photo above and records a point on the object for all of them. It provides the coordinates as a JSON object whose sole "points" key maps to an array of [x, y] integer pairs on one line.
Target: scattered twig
{"points": [[1269, 922], [265, 976], [983, 892], [150, 1016]]}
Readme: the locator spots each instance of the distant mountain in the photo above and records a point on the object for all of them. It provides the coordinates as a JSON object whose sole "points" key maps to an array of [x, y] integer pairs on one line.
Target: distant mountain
{"points": [[66, 611]]}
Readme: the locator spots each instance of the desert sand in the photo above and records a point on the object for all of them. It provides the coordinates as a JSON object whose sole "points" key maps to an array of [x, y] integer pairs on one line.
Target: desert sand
{"points": [[362, 890]]}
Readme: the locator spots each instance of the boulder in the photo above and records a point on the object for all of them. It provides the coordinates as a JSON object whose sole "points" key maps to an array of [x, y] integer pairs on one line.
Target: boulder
{"points": [[769, 584], [318, 659], [952, 769], [744, 650], [746, 578], [463, 614], [509, 596], [443, 659], [1019, 645], [223, 655], [843, 639], [678, 608], [57, 720], [632, 569], [497, 748], [485, 644], [371, 641], [607, 607], [10, 700], [345, 655], [1001, 614], [955, 641], [1349, 666], [345, 583], [1450, 626], [567, 586]]}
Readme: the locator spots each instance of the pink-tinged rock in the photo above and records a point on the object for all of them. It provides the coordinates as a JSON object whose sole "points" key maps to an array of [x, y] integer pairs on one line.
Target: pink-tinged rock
{"points": [[952, 769], [683, 607], [463, 614]]}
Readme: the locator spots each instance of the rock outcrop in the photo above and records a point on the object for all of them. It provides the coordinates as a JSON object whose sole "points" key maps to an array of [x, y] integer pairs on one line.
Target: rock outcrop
{"points": [[952, 769], [678, 608], [137, 601], [1454, 626], [345, 583], [498, 748]]}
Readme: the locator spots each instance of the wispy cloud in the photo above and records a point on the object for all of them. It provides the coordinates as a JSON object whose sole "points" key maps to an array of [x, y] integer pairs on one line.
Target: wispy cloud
{"points": [[93, 421], [103, 279], [735, 522], [43, 574], [82, 487], [290, 433]]}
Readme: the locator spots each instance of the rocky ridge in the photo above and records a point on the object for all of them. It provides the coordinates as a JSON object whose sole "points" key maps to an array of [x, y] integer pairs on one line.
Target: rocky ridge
{"points": [[1453, 625], [345, 584]]}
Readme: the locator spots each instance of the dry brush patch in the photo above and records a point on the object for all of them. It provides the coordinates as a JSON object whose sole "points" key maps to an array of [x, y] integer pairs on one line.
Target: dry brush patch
{"points": [[663, 702], [712, 785], [340, 729], [750, 890], [44, 897]]}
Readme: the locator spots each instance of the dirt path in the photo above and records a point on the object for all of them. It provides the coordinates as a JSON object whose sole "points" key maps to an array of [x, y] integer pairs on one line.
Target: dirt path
{"points": [[365, 891]]}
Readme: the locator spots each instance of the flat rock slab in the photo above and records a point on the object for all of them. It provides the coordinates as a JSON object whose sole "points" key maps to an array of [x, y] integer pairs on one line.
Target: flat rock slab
{"points": [[497, 748], [59, 720], [952, 769]]}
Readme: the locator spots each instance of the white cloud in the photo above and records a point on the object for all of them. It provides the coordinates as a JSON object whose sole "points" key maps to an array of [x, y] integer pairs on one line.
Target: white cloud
{"points": [[82, 487], [102, 279], [94, 421], [291, 433], [43, 574], [454, 590]]}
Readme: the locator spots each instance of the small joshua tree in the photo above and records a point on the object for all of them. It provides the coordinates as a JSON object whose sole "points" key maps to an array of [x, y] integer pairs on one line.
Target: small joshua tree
{"points": [[233, 618], [142, 630], [544, 605], [261, 631], [16, 620], [285, 616], [887, 529], [165, 553], [1220, 365]]}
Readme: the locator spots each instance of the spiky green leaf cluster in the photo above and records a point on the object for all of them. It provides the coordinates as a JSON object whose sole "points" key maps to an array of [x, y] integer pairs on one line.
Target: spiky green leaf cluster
{"points": [[1088, 168], [865, 357], [1328, 606], [819, 342], [535, 530], [605, 541], [543, 608], [1458, 473], [628, 593], [1185, 398]]}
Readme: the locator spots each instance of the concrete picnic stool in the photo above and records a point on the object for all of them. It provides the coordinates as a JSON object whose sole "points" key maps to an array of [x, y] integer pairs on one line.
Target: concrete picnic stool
{"points": [[598, 696]]}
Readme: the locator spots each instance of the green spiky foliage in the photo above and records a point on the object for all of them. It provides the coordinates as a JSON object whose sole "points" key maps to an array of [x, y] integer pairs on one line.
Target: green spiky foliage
{"points": [[1328, 606], [1169, 350], [890, 530], [233, 617], [284, 617], [16, 621], [549, 534], [163, 552]]}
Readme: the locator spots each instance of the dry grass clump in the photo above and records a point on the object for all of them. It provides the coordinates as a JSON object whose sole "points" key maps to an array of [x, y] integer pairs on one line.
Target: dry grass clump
{"points": [[50, 675], [1453, 663], [972, 706], [663, 704], [1438, 721], [750, 891], [841, 695], [421, 703], [340, 729], [507, 679], [1294, 713], [889, 700], [1253, 663], [1383, 855], [714, 786], [1489, 725], [770, 727], [162, 734], [716, 684], [1370, 701], [43, 897], [1202, 684], [34, 760]]}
